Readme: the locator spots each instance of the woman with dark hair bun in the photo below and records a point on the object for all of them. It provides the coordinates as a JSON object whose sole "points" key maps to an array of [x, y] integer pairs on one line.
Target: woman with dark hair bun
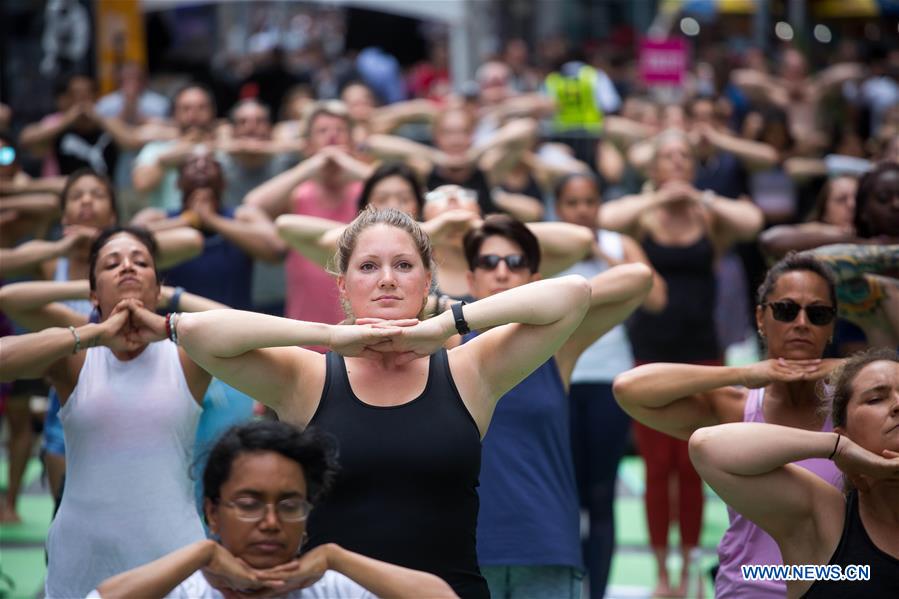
{"points": [[795, 317], [757, 469], [252, 467], [130, 403]]}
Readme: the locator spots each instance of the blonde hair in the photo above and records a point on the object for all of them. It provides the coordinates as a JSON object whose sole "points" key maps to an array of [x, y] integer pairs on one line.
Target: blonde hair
{"points": [[369, 217]]}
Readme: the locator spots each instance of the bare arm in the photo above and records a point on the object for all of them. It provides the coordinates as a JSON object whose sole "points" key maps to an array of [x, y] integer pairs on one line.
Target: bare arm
{"points": [[523, 207], [387, 118], [30, 255], [801, 168], [419, 157], [177, 245], [734, 220], [609, 161], [657, 298], [625, 131], [38, 137], [384, 579], [147, 175], [251, 230], [273, 196], [614, 295], [505, 148], [624, 214], [780, 240], [756, 154], [561, 245], [315, 238], [160, 577], [749, 465], [675, 398]]}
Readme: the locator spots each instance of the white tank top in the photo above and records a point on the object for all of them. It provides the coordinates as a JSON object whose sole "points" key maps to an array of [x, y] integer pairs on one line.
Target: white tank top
{"points": [[129, 431], [611, 354]]}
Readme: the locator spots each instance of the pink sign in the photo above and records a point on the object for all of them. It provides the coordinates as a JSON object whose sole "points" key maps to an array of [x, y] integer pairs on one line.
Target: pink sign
{"points": [[663, 62]]}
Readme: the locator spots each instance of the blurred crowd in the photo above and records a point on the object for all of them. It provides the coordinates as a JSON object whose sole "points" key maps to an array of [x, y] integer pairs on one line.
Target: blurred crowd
{"points": [[755, 156]]}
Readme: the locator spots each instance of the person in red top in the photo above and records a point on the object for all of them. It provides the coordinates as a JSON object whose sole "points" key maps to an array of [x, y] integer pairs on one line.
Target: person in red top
{"points": [[325, 185]]}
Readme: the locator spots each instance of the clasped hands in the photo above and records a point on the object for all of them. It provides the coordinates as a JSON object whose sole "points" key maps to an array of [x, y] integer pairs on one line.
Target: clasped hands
{"points": [[235, 579], [399, 341], [131, 325]]}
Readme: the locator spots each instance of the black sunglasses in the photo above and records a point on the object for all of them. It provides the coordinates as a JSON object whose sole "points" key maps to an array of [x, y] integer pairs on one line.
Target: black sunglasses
{"points": [[491, 261], [787, 311]]}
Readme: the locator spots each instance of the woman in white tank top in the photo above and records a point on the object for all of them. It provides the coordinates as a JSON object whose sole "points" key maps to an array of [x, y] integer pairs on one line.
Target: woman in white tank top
{"points": [[130, 403]]}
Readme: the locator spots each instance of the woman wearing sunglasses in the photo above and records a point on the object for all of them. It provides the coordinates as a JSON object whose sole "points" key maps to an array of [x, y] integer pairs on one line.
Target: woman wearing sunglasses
{"points": [[258, 485], [795, 318], [756, 469], [529, 521]]}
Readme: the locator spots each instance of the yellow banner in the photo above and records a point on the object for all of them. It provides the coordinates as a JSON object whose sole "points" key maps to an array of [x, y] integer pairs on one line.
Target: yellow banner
{"points": [[120, 38]]}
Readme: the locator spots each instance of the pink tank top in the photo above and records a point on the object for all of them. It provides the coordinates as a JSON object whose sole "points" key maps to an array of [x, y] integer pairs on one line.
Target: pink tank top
{"points": [[312, 292], [746, 543]]}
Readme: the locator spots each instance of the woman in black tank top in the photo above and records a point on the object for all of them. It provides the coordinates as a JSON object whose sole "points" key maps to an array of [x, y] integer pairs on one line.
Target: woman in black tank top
{"points": [[854, 537], [407, 414], [683, 231]]}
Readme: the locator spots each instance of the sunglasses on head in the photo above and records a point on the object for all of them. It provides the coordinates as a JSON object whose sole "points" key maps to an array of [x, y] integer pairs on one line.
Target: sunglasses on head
{"points": [[787, 311], [491, 261]]}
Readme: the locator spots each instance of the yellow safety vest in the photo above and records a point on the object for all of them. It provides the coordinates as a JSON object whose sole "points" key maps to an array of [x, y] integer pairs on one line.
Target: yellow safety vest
{"points": [[575, 101]]}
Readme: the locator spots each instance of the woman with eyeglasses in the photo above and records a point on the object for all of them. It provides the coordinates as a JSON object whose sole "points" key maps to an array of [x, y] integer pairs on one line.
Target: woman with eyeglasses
{"points": [[408, 414], [684, 232], [259, 487], [757, 469], [795, 318], [529, 521]]}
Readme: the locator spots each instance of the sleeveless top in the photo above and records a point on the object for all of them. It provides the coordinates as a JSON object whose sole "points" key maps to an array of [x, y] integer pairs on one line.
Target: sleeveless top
{"points": [[746, 543], [857, 548], [530, 515], [53, 439], [476, 181], [223, 272], [61, 274], [129, 429], [685, 330], [406, 489], [611, 354], [312, 291]]}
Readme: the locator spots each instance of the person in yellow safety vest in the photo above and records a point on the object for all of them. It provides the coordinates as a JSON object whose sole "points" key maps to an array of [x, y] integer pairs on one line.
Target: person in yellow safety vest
{"points": [[583, 95]]}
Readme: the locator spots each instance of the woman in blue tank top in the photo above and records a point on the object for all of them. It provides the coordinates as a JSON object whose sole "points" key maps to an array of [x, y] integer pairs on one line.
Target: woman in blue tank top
{"points": [[408, 414], [529, 526]]}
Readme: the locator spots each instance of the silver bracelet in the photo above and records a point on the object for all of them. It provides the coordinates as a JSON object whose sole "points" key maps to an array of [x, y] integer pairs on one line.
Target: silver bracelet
{"points": [[77, 347]]}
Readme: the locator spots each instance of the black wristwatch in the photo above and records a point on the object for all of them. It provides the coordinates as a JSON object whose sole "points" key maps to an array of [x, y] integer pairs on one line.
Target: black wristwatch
{"points": [[461, 323]]}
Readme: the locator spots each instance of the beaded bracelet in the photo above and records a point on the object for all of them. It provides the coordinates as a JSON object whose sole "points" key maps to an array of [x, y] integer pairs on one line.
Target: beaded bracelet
{"points": [[77, 347]]}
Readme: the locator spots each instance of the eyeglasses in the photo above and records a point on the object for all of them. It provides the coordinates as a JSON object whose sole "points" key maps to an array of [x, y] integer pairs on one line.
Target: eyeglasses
{"points": [[7, 155], [462, 195], [787, 311], [491, 261], [253, 510]]}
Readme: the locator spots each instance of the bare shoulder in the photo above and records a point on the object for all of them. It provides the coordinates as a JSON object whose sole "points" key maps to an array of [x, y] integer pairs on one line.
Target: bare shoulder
{"points": [[728, 403]]}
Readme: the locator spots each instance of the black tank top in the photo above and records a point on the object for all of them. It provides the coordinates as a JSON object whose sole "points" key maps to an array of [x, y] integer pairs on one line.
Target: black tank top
{"points": [[476, 181], [685, 330], [406, 492], [856, 548]]}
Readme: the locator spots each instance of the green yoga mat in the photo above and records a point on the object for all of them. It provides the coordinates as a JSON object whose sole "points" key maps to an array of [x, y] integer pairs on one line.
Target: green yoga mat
{"points": [[35, 511], [26, 568]]}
